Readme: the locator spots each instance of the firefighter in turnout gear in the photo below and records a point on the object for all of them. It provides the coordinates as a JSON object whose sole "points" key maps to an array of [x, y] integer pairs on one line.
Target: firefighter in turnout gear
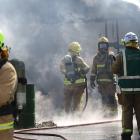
{"points": [[127, 68], [74, 69], [101, 73], [8, 82]]}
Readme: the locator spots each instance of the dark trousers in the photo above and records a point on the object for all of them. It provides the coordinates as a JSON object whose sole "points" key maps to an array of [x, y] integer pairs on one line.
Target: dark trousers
{"points": [[107, 92], [109, 102], [130, 107]]}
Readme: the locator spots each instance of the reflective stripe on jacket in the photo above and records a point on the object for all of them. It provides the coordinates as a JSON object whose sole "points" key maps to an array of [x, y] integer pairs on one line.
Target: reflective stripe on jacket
{"points": [[104, 80], [130, 80], [78, 81], [100, 65], [6, 126], [127, 130]]}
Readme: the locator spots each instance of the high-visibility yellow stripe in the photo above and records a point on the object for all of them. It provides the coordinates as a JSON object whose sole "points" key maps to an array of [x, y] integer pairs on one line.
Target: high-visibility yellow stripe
{"points": [[5, 126], [124, 63], [127, 130], [100, 65], [67, 82], [104, 80], [130, 89], [129, 77]]}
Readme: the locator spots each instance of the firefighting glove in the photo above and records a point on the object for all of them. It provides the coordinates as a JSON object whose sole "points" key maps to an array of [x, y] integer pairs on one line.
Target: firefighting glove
{"points": [[92, 79], [112, 56]]}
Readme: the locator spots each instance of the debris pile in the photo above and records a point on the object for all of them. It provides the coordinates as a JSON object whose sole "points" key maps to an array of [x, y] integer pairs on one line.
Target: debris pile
{"points": [[46, 124]]}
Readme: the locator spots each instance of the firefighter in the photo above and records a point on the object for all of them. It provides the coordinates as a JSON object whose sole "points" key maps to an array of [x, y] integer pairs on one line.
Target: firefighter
{"points": [[8, 82], [127, 68], [101, 74], [74, 69]]}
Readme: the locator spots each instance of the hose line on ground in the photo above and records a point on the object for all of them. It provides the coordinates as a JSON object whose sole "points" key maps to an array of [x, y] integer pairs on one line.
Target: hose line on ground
{"points": [[42, 134], [63, 127], [21, 138]]}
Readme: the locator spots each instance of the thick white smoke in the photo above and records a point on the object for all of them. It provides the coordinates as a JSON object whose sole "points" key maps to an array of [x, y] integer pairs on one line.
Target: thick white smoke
{"points": [[136, 2], [46, 111], [39, 33]]}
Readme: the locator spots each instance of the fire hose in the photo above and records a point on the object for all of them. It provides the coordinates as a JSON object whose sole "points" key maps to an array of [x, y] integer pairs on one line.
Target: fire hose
{"points": [[39, 134], [86, 101], [27, 131], [21, 138]]}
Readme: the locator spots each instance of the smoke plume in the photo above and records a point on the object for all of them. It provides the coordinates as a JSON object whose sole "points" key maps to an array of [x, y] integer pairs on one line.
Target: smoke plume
{"points": [[39, 33]]}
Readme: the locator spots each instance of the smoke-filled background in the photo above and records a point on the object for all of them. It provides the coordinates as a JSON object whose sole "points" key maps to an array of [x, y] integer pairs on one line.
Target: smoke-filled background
{"points": [[39, 32]]}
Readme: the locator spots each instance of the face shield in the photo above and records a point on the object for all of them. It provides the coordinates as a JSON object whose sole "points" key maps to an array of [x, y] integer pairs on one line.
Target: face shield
{"points": [[103, 47]]}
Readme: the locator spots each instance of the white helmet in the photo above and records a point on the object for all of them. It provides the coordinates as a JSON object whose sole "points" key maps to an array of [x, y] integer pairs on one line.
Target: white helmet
{"points": [[130, 40], [130, 37]]}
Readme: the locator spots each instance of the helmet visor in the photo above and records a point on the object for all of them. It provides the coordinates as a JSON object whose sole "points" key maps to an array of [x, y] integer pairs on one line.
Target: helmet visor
{"points": [[103, 46]]}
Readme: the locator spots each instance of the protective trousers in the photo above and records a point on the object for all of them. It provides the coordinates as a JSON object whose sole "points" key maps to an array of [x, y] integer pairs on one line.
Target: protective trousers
{"points": [[72, 96], [6, 134], [131, 102], [107, 91]]}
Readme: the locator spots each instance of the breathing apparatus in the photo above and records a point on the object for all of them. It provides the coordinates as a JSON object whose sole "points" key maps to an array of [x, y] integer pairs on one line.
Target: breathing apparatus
{"points": [[70, 69]]}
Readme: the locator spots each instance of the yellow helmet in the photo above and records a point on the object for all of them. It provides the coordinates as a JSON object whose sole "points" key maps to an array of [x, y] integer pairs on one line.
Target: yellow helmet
{"points": [[1, 39], [74, 48], [103, 39]]}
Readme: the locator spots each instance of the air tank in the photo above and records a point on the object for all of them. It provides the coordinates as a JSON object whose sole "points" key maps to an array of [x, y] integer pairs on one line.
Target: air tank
{"points": [[24, 98]]}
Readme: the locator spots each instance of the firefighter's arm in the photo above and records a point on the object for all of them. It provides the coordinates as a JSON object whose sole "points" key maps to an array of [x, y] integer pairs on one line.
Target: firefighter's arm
{"points": [[84, 66], [112, 55], [120, 100], [93, 74], [119, 95], [117, 69], [117, 65], [8, 83]]}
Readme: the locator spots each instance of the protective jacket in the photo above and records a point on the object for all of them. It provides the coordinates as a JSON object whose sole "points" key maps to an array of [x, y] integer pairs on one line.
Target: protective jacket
{"points": [[74, 71], [8, 82], [127, 66], [101, 68]]}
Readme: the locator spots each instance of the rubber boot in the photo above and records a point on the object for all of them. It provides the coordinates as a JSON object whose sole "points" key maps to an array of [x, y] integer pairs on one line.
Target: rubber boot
{"points": [[126, 137]]}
